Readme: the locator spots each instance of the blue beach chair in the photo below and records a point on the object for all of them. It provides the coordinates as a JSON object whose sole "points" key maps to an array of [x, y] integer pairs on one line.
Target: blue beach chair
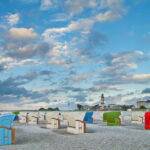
{"points": [[7, 134], [88, 117]]}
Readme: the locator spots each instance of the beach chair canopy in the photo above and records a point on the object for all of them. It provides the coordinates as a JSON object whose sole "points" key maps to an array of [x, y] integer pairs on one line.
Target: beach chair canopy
{"points": [[88, 117], [6, 120], [137, 117], [147, 120], [108, 115], [51, 115], [71, 117], [112, 118]]}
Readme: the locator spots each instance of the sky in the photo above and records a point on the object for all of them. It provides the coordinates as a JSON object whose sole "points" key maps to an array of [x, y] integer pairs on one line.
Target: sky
{"points": [[62, 53]]}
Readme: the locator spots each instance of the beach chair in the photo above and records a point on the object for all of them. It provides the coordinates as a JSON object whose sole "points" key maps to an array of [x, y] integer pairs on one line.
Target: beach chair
{"points": [[52, 120], [16, 116], [42, 115], [33, 118], [112, 118], [76, 123], [105, 116], [7, 134], [60, 116], [23, 117], [137, 118], [147, 120], [88, 117], [121, 118]]}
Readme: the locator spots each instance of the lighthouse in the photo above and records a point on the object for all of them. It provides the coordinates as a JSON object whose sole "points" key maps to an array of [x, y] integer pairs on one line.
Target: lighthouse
{"points": [[102, 101]]}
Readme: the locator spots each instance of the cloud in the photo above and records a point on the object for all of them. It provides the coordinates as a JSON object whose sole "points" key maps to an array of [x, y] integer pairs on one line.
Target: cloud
{"points": [[91, 44], [21, 34], [59, 55], [107, 16], [76, 7], [81, 97], [112, 4], [8, 62], [13, 88], [105, 87], [82, 28], [114, 12], [28, 77], [81, 77], [45, 4], [13, 19], [118, 69], [75, 26], [136, 79], [126, 79], [120, 63], [29, 51], [10, 87], [90, 40]]}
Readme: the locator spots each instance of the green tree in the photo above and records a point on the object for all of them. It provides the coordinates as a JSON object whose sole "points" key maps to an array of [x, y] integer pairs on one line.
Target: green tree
{"points": [[142, 107]]}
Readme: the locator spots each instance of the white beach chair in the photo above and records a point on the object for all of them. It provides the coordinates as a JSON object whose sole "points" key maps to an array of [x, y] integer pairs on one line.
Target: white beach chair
{"points": [[101, 116], [23, 117], [76, 125], [121, 118], [42, 115], [137, 118], [52, 120], [33, 118]]}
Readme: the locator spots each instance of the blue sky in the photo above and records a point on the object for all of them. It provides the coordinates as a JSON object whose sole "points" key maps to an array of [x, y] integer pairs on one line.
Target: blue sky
{"points": [[54, 53]]}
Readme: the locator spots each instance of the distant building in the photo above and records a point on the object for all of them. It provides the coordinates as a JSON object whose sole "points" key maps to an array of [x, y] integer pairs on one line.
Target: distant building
{"points": [[114, 107], [143, 103], [120, 107]]}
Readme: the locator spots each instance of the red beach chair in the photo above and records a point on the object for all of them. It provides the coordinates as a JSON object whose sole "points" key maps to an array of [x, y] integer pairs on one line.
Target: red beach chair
{"points": [[147, 120]]}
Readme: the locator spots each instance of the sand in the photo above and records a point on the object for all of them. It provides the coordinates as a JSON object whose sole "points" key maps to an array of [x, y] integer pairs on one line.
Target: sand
{"points": [[98, 137]]}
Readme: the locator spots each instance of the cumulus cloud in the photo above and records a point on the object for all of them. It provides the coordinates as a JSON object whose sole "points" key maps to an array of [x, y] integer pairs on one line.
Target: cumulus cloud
{"points": [[76, 7], [120, 63], [14, 88], [45, 4], [9, 62], [13, 19], [83, 27], [108, 16], [118, 69], [75, 26], [29, 51], [21, 33], [115, 10]]}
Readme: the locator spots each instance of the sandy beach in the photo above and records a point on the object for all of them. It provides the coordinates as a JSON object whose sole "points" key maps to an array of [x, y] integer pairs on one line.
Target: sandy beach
{"points": [[128, 136]]}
